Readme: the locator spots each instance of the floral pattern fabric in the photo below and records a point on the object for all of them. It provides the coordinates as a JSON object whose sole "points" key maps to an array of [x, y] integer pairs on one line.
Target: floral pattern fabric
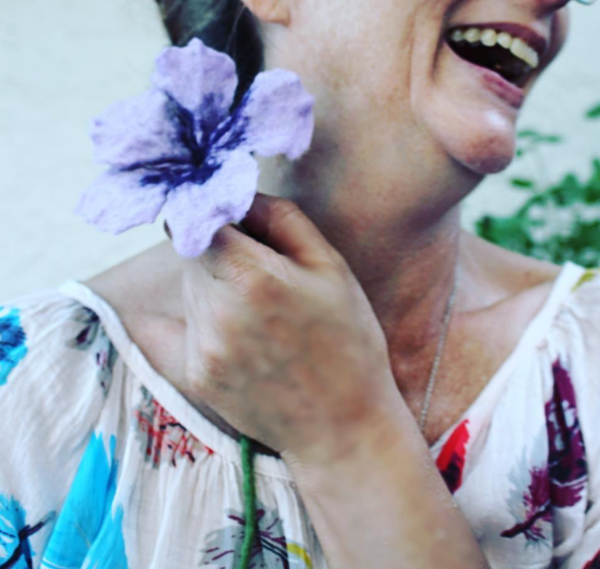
{"points": [[12, 342], [104, 464]]}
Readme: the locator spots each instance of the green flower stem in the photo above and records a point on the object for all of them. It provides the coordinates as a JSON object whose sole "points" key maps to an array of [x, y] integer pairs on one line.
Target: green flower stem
{"points": [[249, 500]]}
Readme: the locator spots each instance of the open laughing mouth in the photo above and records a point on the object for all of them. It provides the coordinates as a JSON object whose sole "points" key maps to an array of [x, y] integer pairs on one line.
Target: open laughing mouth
{"points": [[509, 50]]}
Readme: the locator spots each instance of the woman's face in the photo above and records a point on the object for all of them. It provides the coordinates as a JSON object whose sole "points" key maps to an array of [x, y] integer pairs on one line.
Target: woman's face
{"points": [[385, 70]]}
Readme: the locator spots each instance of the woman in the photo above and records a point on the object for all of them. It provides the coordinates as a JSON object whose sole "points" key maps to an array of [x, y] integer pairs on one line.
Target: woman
{"points": [[317, 328]]}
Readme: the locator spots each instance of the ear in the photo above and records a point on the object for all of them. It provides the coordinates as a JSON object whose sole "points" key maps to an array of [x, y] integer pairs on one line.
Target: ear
{"points": [[273, 11]]}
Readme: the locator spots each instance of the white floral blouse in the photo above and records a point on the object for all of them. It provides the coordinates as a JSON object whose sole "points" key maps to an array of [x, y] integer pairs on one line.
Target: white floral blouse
{"points": [[103, 464]]}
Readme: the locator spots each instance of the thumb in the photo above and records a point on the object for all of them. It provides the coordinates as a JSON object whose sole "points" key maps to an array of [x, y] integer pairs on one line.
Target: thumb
{"points": [[282, 225]]}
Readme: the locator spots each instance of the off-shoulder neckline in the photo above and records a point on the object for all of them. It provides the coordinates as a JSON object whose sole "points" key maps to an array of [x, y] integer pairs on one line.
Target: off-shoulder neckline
{"points": [[225, 445]]}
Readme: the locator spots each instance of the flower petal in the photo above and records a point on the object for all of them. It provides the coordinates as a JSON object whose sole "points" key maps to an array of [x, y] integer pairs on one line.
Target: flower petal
{"points": [[200, 79], [118, 201], [274, 117], [137, 131], [196, 212]]}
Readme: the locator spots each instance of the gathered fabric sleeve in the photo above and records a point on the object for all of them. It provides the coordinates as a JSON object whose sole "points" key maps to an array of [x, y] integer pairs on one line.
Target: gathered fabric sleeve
{"points": [[578, 334], [55, 372]]}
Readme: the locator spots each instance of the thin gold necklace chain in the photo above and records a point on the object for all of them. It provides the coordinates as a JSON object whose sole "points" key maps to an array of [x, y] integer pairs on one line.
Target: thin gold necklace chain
{"points": [[438, 355]]}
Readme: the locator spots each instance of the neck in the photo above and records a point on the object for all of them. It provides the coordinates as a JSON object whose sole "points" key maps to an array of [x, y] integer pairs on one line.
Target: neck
{"points": [[403, 253]]}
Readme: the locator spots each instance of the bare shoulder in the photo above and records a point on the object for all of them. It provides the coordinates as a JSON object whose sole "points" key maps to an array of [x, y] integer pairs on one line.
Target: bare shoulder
{"points": [[144, 291], [510, 290], [147, 283], [512, 272]]}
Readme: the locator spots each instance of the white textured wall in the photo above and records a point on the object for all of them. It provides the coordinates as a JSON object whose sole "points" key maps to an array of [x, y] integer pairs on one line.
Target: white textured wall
{"points": [[63, 62]]}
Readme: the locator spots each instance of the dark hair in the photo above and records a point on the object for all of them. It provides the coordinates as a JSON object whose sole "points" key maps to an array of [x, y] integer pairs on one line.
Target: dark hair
{"points": [[224, 25]]}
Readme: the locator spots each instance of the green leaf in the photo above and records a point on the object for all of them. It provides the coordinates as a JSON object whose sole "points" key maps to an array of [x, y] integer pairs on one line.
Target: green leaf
{"points": [[528, 134], [594, 112], [536, 137], [569, 191], [522, 183], [551, 138]]}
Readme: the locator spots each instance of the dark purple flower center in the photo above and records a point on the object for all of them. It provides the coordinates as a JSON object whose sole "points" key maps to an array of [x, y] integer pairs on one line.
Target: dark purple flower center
{"points": [[200, 165], [176, 171]]}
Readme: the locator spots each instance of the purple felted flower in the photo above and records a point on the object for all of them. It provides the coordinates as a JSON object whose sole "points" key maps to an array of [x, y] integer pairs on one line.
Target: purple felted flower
{"points": [[178, 146]]}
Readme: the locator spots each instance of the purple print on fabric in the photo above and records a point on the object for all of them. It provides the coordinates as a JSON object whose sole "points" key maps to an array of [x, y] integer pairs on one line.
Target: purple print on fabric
{"points": [[91, 333], [272, 550], [181, 147], [567, 461], [536, 504], [529, 498]]}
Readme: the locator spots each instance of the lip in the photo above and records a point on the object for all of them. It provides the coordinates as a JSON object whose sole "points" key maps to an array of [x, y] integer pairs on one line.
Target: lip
{"points": [[504, 89], [536, 40]]}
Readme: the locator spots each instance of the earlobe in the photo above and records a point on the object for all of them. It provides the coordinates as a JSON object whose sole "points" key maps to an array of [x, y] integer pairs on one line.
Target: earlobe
{"points": [[272, 11]]}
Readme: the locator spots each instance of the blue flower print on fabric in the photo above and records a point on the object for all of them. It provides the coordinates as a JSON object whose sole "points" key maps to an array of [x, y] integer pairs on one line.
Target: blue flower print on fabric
{"points": [[88, 532], [15, 550], [12, 341]]}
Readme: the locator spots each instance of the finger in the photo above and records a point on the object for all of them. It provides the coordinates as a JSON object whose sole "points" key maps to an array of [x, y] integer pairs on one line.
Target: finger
{"points": [[232, 253], [282, 225], [231, 239]]}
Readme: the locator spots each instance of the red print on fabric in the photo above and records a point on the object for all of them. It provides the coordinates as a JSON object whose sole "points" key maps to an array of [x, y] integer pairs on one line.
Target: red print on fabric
{"points": [[451, 460], [163, 437], [593, 563]]}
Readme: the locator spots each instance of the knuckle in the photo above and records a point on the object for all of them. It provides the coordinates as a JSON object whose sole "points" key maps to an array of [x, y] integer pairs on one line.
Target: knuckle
{"points": [[227, 266], [339, 263], [337, 267], [282, 208], [223, 246], [218, 241], [224, 237], [266, 288]]}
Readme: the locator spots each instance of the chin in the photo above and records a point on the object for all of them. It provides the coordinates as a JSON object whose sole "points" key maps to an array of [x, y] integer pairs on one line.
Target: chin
{"points": [[479, 136], [483, 151]]}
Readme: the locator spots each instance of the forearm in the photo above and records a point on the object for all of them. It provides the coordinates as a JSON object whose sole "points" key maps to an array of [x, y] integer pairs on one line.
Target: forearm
{"points": [[386, 506]]}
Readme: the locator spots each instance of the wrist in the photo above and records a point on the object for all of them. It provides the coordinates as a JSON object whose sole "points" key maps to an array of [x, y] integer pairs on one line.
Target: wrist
{"points": [[347, 451]]}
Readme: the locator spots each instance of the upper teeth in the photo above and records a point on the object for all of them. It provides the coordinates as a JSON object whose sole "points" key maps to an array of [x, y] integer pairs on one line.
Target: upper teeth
{"points": [[490, 37]]}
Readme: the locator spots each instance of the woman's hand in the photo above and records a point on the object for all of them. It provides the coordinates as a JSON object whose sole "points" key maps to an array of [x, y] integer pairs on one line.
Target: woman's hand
{"points": [[281, 340]]}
